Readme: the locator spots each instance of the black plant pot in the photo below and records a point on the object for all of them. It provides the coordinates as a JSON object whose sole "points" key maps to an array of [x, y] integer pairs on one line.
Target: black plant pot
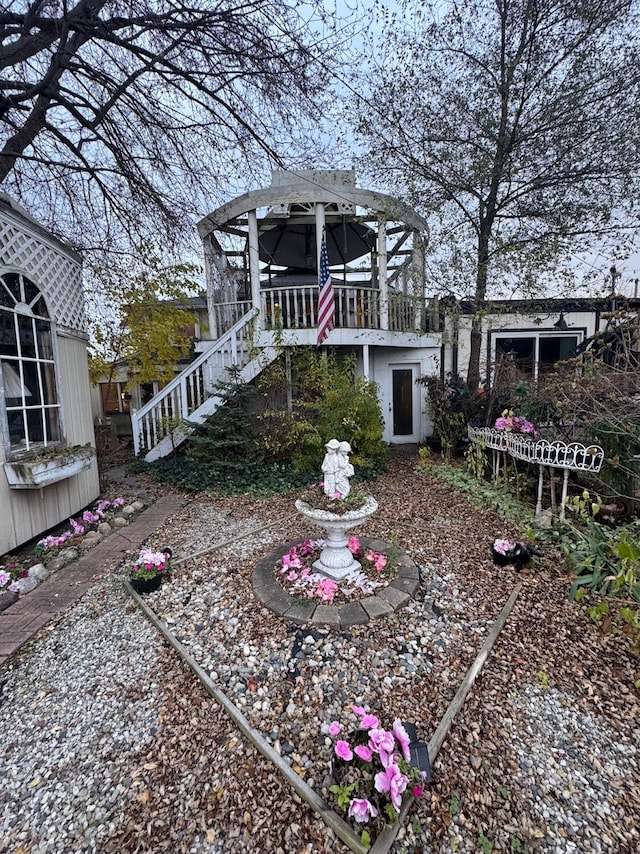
{"points": [[519, 556], [146, 585], [503, 560]]}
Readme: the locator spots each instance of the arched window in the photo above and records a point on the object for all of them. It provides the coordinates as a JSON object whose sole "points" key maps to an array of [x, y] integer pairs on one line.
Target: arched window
{"points": [[28, 383]]}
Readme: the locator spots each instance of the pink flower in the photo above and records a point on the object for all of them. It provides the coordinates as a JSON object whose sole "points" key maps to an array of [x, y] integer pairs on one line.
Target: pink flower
{"points": [[363, 752], [358, 710], [360, 809], [380, 562], [292, 576], [334, 729], [417, 791], [369, 722], [304, 572], [336, 496], [326, 589], [343, 750], [402, 738], [354, 546], [393, 781], [380, 739]]}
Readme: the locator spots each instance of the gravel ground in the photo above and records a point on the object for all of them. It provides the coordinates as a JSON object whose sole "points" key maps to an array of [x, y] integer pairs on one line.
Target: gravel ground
{"points": [[111, 744]]}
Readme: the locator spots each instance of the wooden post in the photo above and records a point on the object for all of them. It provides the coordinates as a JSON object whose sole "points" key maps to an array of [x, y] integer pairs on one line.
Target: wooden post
{"points": [[386, 839], [339, 826]]}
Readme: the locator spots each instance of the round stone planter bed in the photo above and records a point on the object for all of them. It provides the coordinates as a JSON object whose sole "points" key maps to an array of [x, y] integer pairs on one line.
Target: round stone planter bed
{"points": [[357, 612]]}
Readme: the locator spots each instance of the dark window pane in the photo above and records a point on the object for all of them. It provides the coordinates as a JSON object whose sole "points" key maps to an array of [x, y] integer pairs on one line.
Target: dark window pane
{"points": [[12, 285], [30, 291], [402, 402], [35, 425], [43, 333], [39, 307], [27, 341], [8, 346], [52, 420], [110, 398], [556, 348], [31, 384], [48, 384], [519, 352], [11, 382], [16, 429]]}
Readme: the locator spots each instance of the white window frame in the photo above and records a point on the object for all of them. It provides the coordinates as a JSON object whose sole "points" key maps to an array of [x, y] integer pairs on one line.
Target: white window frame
{"points": [[23, 309], [536, 334]]}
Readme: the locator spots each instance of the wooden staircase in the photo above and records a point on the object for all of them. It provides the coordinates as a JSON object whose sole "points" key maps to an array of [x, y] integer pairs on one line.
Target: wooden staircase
{"points": [[163, 423]]}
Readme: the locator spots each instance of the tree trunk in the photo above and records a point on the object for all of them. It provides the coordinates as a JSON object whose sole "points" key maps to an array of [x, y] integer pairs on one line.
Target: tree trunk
{"points": [[473, 369]]}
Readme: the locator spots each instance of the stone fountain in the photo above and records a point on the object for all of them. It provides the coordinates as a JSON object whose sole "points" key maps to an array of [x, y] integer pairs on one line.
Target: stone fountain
{"points": [[336, 560]]}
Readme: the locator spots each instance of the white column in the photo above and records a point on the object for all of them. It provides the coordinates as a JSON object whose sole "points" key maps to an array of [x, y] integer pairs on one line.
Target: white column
{"points": [[382, 274], [366, 366], [418, 279], [209, 267], [254, 262], [320, 220]]}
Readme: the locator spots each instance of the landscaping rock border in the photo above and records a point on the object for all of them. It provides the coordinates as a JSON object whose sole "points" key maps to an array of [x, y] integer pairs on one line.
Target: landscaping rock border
{"points": [[389, 599], [40, 571]]}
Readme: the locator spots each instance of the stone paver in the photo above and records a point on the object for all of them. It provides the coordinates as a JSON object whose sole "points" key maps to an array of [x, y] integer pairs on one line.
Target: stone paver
{"points": [[267, 590], [20, 622]]}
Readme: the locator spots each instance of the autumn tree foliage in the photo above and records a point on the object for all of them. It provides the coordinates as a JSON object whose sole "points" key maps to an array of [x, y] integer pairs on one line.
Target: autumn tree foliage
{"points": [[513, 125], [140, 317]]}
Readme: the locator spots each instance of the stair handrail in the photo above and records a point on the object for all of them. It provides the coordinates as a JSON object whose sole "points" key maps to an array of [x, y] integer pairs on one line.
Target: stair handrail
{"points": [[193, 366], [137, 416]]}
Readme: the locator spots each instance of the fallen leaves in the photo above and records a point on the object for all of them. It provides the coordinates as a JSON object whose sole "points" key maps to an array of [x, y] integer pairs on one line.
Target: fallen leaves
{"points": [[203, 780]]}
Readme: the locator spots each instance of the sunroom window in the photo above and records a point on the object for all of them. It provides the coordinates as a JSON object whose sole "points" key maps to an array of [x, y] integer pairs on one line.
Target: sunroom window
{"points": [[28, 381], [535, 354]]}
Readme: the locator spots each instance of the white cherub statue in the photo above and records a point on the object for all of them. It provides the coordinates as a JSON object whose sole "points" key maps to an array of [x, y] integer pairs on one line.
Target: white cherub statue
{"points": [[330, 466], [345, 470]]}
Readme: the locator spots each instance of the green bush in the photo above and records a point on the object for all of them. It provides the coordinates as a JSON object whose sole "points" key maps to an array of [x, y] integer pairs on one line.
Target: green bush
{"points": [[329, 402], [604, 560]]}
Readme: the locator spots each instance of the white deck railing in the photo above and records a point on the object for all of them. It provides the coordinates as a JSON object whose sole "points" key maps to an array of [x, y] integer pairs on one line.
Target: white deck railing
{"points": [[356, 308], [188, 391]]}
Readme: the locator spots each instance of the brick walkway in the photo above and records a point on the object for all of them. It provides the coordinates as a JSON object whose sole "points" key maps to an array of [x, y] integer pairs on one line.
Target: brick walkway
{"points": [[21, 622]]}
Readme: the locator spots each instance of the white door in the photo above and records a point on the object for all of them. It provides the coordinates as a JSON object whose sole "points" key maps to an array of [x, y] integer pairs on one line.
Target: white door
{"points": [[401, 402]]}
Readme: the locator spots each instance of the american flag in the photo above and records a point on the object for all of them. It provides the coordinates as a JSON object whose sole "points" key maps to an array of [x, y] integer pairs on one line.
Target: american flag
{"points": [[326, 303]]}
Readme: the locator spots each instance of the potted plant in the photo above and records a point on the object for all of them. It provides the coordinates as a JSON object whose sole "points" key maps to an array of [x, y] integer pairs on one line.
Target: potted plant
{"points": [[149, 570], [375, 769], [505, 552]]}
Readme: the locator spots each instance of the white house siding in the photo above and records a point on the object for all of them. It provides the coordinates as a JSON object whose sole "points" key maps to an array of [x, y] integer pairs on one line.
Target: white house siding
{"points": [[423, 362], [457, 334], [56, 271]]}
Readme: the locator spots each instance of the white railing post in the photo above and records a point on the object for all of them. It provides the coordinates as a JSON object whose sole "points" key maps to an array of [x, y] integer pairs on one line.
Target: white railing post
{"points": [[184, 403]]}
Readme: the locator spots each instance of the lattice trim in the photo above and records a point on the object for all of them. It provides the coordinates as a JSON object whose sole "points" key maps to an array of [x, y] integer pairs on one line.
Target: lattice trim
{"points": [[58, 276]]}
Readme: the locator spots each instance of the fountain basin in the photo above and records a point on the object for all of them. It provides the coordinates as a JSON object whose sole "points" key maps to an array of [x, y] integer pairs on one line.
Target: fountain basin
{"points": [[336, 561]]}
